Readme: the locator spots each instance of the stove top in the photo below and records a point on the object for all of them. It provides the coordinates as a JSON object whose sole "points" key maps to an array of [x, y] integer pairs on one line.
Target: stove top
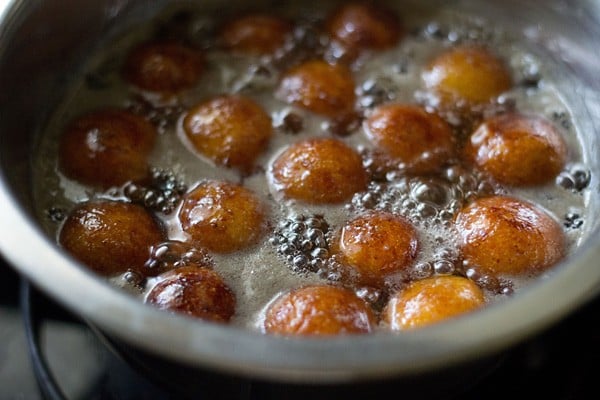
{"points": [[73, 363]]}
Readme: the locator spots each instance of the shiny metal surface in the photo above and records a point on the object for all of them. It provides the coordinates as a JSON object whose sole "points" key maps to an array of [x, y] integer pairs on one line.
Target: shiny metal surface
{"points": [[42, 41]]}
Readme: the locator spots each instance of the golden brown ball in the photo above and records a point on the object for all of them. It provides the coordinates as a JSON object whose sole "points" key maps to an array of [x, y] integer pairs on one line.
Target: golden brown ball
{"points": [[230, 130], [319, 171], [467, 74], [376, 245], [195, 291], [421, 141], [222, 217], [364, 26], [319, 87], [256, 33], [432, 300], [319, 310], [501, 235], [163, 66], [110, 237], [106, 147], [517, 149]]}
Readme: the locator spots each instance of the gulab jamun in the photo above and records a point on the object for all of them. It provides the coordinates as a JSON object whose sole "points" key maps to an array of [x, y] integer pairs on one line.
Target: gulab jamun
{"points": [[223, 217], [502, 235], [106, 147], [163, 66], [110, 237], [376, 245], [517, 149], [319, 171], [467, 75], [432, 300], [319, 310], [257, 34], [198, 292], [421, 141], [319, 87], [364, 26], [230, 130]]}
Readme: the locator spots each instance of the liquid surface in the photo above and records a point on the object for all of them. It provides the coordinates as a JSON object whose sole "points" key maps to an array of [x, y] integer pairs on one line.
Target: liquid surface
{"points": [[279, 262]]}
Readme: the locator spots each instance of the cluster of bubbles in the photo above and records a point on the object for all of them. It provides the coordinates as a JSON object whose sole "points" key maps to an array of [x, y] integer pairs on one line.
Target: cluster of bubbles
{"points": [[162, 193], [164, 118], [165, 256], [426, 201], [302, 241], [575, 177], [174, 254]]}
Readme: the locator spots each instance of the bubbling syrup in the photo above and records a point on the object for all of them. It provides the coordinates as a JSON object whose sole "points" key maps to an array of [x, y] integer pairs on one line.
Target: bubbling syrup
{"points": [[297, 249]]}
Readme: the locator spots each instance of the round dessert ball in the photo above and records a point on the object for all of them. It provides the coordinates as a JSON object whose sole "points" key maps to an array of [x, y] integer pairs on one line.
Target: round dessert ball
{"points": [[361, 26], [256, 33], [230, 130], [376, 245], [467, 74], [518, 150], [422, 142], [319, 87], [195, 291], [107, 147], [110, 237], [319, 171], [501, 235], [432, 300], [163, 66], [222, 217], [319, 310]]}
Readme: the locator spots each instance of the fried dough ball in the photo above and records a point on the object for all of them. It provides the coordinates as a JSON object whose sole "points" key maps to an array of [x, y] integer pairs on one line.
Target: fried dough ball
{"points": [[163, 66], [199, 292], [319, 310], [107, 147], [364, 26], [319, 171], [501, 235], [319, 87], [467, 74], [432, 300], [110, 237], [376, 245], [518, 150], [222, 217], [230, 130], [258, 34], [421, 141]]}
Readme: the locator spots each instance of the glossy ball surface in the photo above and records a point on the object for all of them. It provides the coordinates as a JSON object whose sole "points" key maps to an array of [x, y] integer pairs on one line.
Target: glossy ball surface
{"points": [[518, 150], [319, 87], [194, 291], [230, 130], [432, 300], [257, 34], [319, 310], [422, 142], [319, 171], [163, 66], [377, 244], [107, 147], [222, 217], [110, 237], [502, 235], [467, 74], [361, 26]]}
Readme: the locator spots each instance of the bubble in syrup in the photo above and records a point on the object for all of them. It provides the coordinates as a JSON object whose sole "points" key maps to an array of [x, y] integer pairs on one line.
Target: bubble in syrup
{"points": [[301, 240], [175, 254]]}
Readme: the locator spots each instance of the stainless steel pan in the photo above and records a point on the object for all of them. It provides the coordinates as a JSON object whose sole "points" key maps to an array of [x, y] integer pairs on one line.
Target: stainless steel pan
{"points": [[41, 42]]}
